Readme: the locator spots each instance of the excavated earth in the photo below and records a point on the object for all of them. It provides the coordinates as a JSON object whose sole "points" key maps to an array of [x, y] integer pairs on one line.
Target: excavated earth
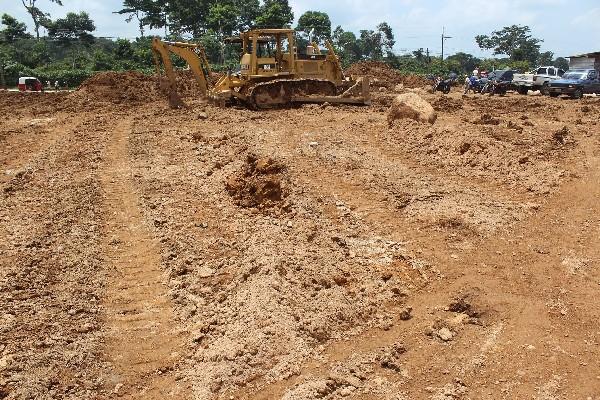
{"points": [[307, 253]]}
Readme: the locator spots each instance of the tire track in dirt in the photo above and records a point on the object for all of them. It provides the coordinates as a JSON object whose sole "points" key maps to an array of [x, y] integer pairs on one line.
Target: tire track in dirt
{"points": [[143, 344]]}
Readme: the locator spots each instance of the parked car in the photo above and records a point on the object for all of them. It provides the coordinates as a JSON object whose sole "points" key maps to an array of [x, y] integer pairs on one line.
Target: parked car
{"points": [[30, 84], [576, 83], [537, 80]]}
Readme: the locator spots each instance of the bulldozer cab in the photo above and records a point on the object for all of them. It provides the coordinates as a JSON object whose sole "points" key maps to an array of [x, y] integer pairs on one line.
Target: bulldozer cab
{"points": [[267, 53], [272, 53]]}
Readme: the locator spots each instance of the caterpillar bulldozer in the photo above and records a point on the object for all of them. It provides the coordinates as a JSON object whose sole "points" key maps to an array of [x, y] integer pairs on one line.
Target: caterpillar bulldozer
{"points": [[272, 73]]}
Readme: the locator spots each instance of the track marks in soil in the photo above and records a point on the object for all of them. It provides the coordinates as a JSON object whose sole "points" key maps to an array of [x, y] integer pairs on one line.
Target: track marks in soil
{"points": [[143, 344]]}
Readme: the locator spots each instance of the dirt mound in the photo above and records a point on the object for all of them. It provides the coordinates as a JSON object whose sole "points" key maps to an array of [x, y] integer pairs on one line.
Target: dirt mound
{"points": [[258, 184], [382, 75], [120, 87], [447, 104], [134, 88]]}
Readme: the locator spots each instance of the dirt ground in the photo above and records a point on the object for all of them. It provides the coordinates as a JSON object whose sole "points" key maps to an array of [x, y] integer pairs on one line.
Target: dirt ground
{"points": [[306, 253]]}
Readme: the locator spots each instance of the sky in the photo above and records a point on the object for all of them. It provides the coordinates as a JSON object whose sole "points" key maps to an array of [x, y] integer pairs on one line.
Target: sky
{"points": [[568, 27]]}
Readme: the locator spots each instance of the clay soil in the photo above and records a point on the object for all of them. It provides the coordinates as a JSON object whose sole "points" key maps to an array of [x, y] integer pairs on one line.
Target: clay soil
{"points": [[306, 253]]}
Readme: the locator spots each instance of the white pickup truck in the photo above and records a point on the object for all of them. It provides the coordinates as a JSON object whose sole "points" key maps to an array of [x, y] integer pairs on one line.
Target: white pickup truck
{"points": [[537, 80]]}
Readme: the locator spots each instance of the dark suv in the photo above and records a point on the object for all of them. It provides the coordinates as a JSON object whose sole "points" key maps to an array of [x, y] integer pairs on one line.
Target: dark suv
{"points": [[576, 83]]}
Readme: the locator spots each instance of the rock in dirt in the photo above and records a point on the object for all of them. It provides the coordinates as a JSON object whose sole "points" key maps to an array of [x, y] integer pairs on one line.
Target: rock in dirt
{"points": [[445, 334], [561, 136], [411, 106], [405, 314], [487, 119]]}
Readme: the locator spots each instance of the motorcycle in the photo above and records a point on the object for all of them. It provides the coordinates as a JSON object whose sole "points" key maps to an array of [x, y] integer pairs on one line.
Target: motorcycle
{"points": [[474, 84], [495, 87], [443, 85]]}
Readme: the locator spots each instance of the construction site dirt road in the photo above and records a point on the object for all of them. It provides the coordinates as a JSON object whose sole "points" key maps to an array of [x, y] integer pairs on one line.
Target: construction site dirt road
{"points": [[307, 253]]}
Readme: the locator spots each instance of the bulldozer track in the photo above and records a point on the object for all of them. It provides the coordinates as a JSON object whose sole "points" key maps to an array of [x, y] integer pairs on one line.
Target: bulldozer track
{"points": [[142, 344], [281, 92]]}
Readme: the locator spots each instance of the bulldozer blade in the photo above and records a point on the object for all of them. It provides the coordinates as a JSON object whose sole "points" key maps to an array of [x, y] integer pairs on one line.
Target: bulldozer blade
{"points": [[359, 93]]}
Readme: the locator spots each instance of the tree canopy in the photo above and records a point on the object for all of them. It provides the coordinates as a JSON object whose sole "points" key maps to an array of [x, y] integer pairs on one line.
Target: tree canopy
{"points": [[74, 26], [513, 41], [316, 22], [13, 30], [40, 18], [275, 14]]}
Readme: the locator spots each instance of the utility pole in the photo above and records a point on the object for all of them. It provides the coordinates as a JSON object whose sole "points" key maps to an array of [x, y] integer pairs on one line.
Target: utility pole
{"points": [[444, 37]]}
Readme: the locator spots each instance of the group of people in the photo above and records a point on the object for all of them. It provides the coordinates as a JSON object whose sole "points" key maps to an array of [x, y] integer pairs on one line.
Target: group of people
{"points": [[55, 87], [471, 81]]}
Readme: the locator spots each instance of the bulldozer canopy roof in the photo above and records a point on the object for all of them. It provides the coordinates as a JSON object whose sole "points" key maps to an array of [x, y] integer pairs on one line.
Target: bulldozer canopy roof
{"points": [[264, 35]]}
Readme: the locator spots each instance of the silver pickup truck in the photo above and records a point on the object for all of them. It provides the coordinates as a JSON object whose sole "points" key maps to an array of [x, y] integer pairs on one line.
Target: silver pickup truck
{"points": [[537, 80]]}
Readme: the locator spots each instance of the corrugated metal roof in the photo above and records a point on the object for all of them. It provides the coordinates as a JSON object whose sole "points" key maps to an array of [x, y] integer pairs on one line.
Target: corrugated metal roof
{"points": [[595, 54]]}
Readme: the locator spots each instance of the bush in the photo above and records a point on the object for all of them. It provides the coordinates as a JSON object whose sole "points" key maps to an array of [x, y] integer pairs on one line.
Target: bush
{"points": [[68, 77]]}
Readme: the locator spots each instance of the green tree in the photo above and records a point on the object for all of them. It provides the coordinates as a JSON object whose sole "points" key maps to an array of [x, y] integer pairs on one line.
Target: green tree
{"points": [[561, 63], [147, 13], [73, 31], [387, 38], [466, 62], [138, 10], [5, 59], [275, 14], [545, 58], [14, 30], [40, 18], [223, 18], [74, 26], [370, 44], [317, 22], [102, 61], [249, 10], [124, 50], [347, 46], [514, 41]]}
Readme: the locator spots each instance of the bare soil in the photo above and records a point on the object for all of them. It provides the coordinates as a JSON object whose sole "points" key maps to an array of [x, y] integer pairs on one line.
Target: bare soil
{"points": [[306, 253]]}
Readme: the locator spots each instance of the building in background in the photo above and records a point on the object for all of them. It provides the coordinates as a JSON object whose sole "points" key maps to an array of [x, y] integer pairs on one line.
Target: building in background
{"points": [[585, 61]]}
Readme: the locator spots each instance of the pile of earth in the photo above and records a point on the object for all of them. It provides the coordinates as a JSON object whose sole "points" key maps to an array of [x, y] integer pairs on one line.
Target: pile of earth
{"points": [[187, 85], [120, 87], [383, 75], [260, 183], [447, 104], [31, 103]]}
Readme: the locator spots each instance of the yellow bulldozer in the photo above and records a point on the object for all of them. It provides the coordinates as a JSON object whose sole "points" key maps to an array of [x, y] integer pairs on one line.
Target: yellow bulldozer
{"points": [[272, 72]]}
